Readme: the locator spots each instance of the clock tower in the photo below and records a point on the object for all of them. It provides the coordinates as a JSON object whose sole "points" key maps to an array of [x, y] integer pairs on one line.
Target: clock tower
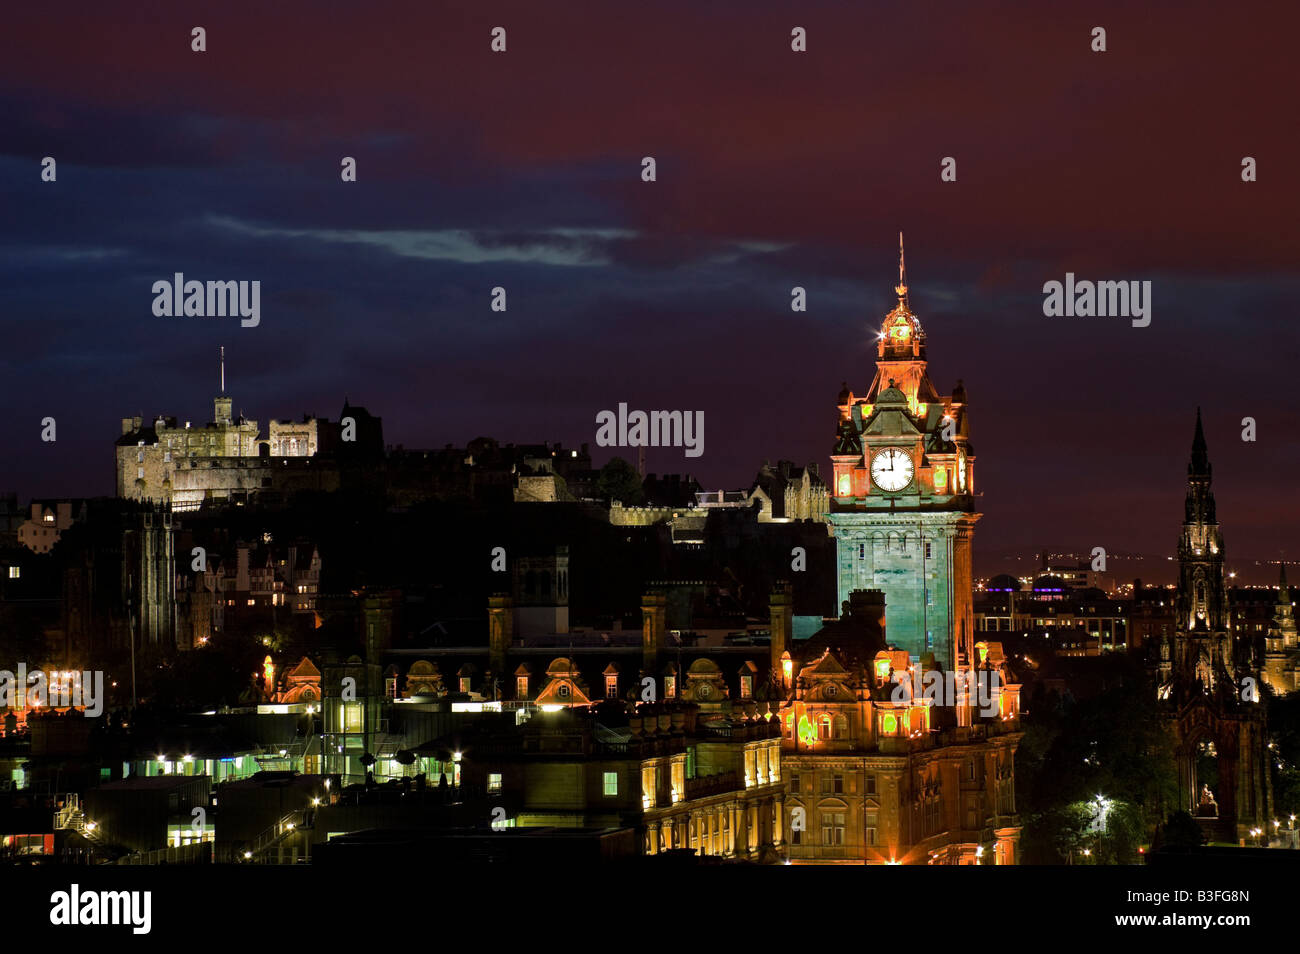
{"points": [[903, 495]]}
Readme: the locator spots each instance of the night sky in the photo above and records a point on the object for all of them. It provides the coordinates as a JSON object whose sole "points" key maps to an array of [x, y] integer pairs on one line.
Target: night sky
{"points": [[775, 169]]}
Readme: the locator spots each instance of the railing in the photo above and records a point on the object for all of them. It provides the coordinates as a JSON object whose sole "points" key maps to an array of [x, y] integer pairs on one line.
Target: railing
{"points": [[197, 853], [282, 828]]}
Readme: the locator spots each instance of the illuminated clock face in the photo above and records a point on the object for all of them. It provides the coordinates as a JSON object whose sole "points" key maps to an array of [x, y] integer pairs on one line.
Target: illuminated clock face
{"points": [[891, 469]]}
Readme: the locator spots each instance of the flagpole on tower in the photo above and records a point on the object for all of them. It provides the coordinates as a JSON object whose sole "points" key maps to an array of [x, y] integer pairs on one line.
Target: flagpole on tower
{"points": [[902, 271], [223, 369]]}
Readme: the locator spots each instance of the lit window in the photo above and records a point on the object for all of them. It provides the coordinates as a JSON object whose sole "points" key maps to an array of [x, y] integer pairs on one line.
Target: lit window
{"points": [[464, 683], [611, 783], [670, 687], [15, 572], [611, 687], [494, 782], [350, 716], [746, 686], [832, 828], [521, 686]]}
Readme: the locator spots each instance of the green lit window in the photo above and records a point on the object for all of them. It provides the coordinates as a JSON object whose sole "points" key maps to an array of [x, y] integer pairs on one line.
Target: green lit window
{"points": [[611, 783], [350, 717]]}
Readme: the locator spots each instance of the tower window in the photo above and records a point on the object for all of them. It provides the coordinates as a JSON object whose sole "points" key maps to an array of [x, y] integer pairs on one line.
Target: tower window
{"points": [[862, 551], [927, 549]]}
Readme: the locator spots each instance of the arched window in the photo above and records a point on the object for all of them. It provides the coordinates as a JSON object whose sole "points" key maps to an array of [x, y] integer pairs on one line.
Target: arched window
{"points": [[824, 727]]}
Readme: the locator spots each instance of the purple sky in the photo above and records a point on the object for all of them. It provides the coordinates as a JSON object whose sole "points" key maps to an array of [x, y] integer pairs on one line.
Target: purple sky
{"points": [[775, 169]]}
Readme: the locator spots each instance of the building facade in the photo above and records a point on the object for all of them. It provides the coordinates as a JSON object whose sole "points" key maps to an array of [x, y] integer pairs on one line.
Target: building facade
{"points": [[1209, 677], [903, 505]]}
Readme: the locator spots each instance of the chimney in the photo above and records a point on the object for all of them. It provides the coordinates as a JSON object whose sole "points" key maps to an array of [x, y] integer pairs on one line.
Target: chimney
{"points": [[781, 605], [501, 629], [868, 606], [654, 610]]}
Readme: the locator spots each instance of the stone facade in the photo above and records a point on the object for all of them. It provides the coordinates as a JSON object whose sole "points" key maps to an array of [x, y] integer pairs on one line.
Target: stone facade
{"points": [[1208, 677], [1281, 647], [223, 460], [903, 506]]}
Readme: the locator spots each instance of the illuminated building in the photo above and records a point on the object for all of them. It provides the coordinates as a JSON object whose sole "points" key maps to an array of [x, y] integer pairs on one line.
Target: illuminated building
{"points": [[681, 776], [903, 494], [873, 779], [228, 461], [878, 779], [1209, 677], [1282, 651]]}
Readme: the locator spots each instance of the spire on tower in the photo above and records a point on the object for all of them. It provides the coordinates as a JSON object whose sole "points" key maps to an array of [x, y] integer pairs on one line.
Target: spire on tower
{"points": [[223, 369], [901, 287], [1200, 462]]}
